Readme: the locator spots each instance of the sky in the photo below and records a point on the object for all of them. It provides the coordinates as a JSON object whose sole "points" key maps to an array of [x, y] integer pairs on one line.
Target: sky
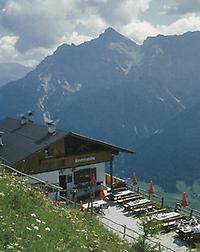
{"points": [[32, 29]]}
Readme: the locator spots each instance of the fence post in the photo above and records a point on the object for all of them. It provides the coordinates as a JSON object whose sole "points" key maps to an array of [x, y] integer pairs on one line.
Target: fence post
{"points": [[45, 189], [124, 234], [162, 202], [66, 201], [92, 199], [175, 209], [191, 212], [159, 247], [75, 197], [56, 195]]}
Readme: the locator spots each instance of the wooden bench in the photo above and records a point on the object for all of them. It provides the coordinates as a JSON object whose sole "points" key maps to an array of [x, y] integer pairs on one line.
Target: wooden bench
{"points": [[156, 211], [120, 189], [128, 199], [132, 208], [122, 195], [175, 218], [116, 197], [142, 210], [168, 226]]}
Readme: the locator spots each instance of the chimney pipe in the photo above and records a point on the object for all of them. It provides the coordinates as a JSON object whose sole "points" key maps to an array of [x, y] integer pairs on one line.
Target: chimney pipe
{"points": [[23, 119], [51, 127], [1, 140], [30, 116]]}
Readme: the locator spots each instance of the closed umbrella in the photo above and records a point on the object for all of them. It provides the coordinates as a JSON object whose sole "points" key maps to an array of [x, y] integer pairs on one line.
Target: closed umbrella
{"points": [[151, 188], [134, 179], [102, 195], [184, 202]]}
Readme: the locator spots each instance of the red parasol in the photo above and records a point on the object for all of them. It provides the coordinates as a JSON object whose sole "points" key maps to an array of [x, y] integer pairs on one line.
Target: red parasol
{"points": [[151, 188], [93, 181], [184, 200], [134, 179], [102, 195]]}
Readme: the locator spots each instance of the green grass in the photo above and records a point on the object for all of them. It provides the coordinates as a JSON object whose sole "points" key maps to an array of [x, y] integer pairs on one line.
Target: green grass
{"points": [[30, 222]]}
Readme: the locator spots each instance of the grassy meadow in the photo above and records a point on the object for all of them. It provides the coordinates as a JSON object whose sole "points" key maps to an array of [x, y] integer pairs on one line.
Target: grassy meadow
{"points": [[30, 222]]}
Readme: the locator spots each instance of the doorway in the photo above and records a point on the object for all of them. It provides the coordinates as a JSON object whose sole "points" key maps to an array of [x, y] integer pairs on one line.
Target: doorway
{"points": [[63, 184]]}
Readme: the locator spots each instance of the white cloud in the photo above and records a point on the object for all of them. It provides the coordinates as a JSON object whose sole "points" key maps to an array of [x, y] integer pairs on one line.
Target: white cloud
{"points": [[183, 6], [186, 23], [37, 23], [114, 12], [7, 48], [43, 23], [139, 30], [30, 30], [9, 53]]}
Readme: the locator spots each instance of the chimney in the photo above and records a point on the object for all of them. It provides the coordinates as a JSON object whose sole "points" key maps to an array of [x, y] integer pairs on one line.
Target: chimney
{"points": [[30, 116], [23, 119], [51, 127], [1, 140]]}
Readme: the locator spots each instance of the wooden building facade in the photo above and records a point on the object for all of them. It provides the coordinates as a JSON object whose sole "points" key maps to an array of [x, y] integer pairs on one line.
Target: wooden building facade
{"points": [[62, 158]]}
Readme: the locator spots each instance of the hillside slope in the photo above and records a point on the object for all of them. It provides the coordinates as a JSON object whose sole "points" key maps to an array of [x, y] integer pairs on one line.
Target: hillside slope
{"points": [[29, 222], [173, 152]]}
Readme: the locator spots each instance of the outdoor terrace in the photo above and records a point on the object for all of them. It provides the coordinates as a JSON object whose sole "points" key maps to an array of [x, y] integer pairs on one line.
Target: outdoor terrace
{"points": [[122, 207]]}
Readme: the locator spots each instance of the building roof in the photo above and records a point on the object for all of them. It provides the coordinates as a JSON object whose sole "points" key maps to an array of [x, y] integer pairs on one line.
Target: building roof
{"points": [[105, 144], [20, 141]]}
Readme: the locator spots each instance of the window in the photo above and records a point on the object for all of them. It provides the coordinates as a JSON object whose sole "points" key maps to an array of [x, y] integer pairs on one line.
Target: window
{"points": [[47, 153], [84, 175], [69, 178]]}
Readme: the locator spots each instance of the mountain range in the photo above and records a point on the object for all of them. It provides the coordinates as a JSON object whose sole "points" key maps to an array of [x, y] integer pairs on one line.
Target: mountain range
{"points": [[144, 97], [12, 71]]}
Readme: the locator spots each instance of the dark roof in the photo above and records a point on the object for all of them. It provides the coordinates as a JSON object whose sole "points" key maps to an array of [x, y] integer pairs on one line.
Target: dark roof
{"points": [[20, 141], [105, 144]]}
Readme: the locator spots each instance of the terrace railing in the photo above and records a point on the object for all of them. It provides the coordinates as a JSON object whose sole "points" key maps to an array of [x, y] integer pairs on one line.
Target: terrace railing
{"points": [[188, 211]]}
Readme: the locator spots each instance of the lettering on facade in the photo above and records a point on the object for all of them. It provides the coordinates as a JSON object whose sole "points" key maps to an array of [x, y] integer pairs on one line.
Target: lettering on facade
{"points": [[84, 159]]}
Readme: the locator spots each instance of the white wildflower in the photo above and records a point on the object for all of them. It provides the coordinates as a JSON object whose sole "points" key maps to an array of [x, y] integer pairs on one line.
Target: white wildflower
{"points": [[39, 236], [2, 194], [39, 221], [36, 227], [33, 215], [10, 247], [47, 229], [28, 228]]}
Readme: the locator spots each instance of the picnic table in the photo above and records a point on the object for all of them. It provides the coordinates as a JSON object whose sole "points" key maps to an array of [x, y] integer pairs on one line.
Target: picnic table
{"points": [[137, 203], [96, 204], [122, 194], [166, 217], [144, 209], [168, 220], [129, 198], [156, 211]]}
